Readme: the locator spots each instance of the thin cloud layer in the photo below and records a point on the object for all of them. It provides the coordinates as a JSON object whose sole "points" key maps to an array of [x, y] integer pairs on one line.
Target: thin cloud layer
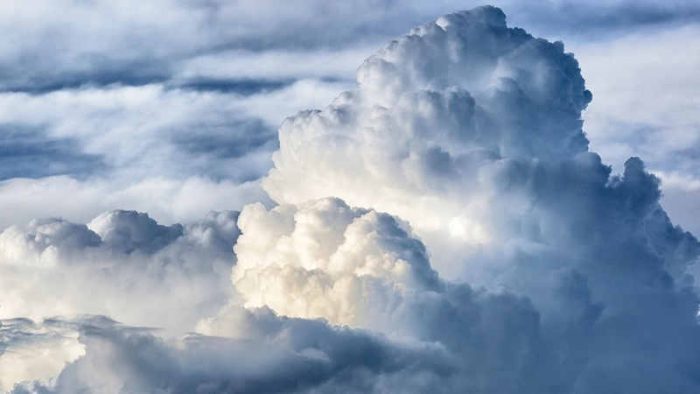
{"points": [[441, 227], [147, 148], [98, 43]]}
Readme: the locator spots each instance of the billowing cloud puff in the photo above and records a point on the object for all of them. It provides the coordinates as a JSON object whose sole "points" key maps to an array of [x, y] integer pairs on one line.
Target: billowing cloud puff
{"points": [[128, 231], [409, 330], [363, 269], [122, 264], [471, 132], [437, 120], [327, 260]]}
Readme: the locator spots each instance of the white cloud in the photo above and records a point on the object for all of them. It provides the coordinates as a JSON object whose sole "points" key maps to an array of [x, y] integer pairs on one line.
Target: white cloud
{"points": [[123, 265], [327, 260], [427, 133], [510, 259], [472, 133]]}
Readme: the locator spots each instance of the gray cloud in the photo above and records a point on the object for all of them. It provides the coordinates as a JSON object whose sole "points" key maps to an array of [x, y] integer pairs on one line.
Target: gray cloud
{"points": [[152, 146], [292, 355], [26, 152]]}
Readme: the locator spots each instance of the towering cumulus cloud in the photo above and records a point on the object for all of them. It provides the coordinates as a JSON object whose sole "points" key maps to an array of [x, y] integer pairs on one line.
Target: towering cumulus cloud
{"points": [[447, 129], [443, 227], [471, 132]]}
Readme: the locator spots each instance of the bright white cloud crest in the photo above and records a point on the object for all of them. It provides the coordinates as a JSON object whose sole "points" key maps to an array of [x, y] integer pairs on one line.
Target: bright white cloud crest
{"points": [[509, 259], [438, 121], [327, 260]]}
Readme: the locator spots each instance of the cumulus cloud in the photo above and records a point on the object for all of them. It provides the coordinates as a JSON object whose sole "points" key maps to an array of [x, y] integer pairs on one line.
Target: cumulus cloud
{"points": [[437, 120], [122, 264], [327, 260], [471, 131], [366, 270], [441, 227]]}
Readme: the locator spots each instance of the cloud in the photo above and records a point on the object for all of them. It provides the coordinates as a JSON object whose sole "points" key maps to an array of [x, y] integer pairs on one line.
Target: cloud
{"points": [[146, 131], [34, 352], [433, 335], [440, 227], [472, 133], [122, 264], [327, 260], [146, 148], [365, 270], [657, 119], [362, 269], [436, 126], [98, 43], [167, 200], [107, 75], [290, 354]]}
